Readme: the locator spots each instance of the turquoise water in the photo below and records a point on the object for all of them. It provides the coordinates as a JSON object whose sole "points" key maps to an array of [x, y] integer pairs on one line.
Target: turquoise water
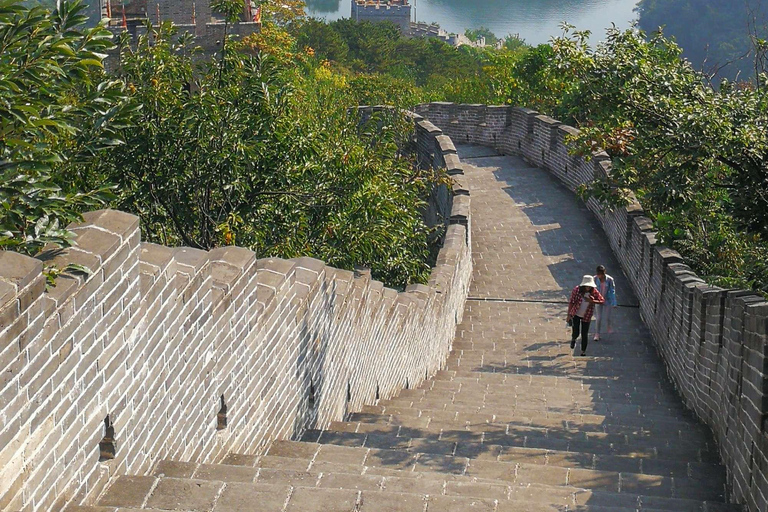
{"points": [[534, 20]]}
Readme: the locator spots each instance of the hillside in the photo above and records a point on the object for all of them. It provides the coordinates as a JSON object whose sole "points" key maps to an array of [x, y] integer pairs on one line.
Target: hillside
{"points": [[256, 147], [713, 34]]}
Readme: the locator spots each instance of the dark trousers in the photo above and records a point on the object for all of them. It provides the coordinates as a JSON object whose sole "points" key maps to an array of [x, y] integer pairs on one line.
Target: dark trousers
{"points": [[579, 325]]}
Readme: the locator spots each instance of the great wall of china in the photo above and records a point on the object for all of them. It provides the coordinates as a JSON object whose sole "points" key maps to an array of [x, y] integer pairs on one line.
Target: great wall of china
{"points": [[208, 357]]}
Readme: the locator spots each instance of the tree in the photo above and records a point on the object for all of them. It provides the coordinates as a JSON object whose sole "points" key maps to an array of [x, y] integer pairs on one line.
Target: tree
{"points": [[251, 154], [474, 34], [717, 37], [57, 111], [695, 156], [324, 40]]}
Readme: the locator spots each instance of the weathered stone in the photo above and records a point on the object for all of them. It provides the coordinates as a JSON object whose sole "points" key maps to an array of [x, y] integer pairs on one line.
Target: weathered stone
{"points": [[238, 497], [330, 500], [173, 469], [391, 502], [128, 491], [225, 473], [18, 270], [191, 495]]}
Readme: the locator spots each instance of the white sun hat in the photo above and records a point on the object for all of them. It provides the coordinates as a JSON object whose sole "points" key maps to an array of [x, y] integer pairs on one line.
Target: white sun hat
{"points": [[588, 281]]}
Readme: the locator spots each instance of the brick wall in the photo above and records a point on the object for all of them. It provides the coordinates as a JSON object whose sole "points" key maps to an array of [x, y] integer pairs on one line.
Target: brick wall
{"points": [[714, 342], [157, 339], [400, 15]]}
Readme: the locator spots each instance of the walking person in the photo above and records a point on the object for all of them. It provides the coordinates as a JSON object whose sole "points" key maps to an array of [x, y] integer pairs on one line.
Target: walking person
{"points": [[581, 307], [607, 288]]}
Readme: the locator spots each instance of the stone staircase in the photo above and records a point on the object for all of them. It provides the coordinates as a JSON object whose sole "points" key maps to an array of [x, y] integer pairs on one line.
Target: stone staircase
{"points": [[515, 423], [464, 441]]}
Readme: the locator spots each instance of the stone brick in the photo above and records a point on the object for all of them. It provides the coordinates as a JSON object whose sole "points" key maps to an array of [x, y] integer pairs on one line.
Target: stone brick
{"points": [[190, 495], [330, 500], [391, 502], [237, 497], [116, 222], [18, 270], [128, 491]]}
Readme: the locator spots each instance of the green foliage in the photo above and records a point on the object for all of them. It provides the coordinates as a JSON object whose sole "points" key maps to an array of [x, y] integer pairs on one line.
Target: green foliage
{"points": [[712, 33], [386, 67], [245, 153], [383, 90], [57, 111], [259, 148], [474, 34], [231, 10], [695, 156], [367, 47], [327, 43], [514, 43]]}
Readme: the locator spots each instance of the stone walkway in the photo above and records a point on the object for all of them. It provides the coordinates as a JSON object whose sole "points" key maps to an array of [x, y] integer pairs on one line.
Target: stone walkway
{"points": [[515, 422]]}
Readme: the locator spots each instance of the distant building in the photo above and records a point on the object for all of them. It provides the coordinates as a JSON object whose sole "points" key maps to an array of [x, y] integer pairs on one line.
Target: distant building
{"points": [[396, 11], [190, 16]]}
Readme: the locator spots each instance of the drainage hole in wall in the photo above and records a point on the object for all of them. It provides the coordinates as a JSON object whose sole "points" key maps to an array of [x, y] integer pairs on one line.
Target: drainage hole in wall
{"points": [[311, 400], [107, 446], [221, 416]]}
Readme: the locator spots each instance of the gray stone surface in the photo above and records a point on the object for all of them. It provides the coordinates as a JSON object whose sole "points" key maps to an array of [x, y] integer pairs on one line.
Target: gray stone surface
{"points": [[513, 421], [516, 421], [189, 495], [128, 491]]}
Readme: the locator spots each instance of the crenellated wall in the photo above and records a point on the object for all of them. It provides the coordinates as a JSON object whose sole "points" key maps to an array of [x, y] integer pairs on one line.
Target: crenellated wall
{"points": [[713, 341], [157, 339]]}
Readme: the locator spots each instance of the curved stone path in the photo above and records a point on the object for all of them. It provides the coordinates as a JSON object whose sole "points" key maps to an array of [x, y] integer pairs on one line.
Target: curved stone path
{"points": [[515, 422]]}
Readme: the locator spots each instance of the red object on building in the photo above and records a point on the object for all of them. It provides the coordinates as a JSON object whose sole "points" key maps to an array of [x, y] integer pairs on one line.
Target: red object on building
{"points": [[257, 15], [125, 20]]}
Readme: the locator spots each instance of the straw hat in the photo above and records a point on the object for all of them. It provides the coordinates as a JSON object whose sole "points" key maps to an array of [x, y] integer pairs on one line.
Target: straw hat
{"points": [[588, 281]]}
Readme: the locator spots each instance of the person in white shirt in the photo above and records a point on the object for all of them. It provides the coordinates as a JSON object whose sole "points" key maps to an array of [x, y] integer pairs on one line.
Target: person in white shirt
{"points": [[607, 288]]}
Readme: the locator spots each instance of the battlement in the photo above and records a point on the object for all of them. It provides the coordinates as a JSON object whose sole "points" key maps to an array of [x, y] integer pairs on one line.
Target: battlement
{"points": [[189, 16], [180, 353], [395, 11]]}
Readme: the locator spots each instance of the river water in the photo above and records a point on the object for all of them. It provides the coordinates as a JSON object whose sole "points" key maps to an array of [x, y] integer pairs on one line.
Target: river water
{"points": [[533, 20]]}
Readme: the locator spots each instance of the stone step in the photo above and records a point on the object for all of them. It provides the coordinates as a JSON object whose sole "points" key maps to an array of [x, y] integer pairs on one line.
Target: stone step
{"points": [[584, 422], [344, 494], [555, 380], [576, 381], [510, 402], [572, 384], [514, 467], [375, 435], [439, 421], [513, 358], [633, 415], [276, 487], [496, 447], [615, 392]]}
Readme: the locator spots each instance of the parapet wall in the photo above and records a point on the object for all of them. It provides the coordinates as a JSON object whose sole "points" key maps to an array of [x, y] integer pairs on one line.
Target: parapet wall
{"points": [[208, 36], [400, 15], [714, 341], [185, 354]]}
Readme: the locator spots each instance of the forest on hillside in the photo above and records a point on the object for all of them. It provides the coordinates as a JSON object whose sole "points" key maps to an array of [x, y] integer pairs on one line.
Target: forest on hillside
{"points": [[717, 36], [255, 145]]}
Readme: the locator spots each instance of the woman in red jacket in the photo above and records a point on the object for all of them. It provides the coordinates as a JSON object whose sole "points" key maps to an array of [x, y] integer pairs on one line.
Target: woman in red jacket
{"points": [[580, 310]]}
